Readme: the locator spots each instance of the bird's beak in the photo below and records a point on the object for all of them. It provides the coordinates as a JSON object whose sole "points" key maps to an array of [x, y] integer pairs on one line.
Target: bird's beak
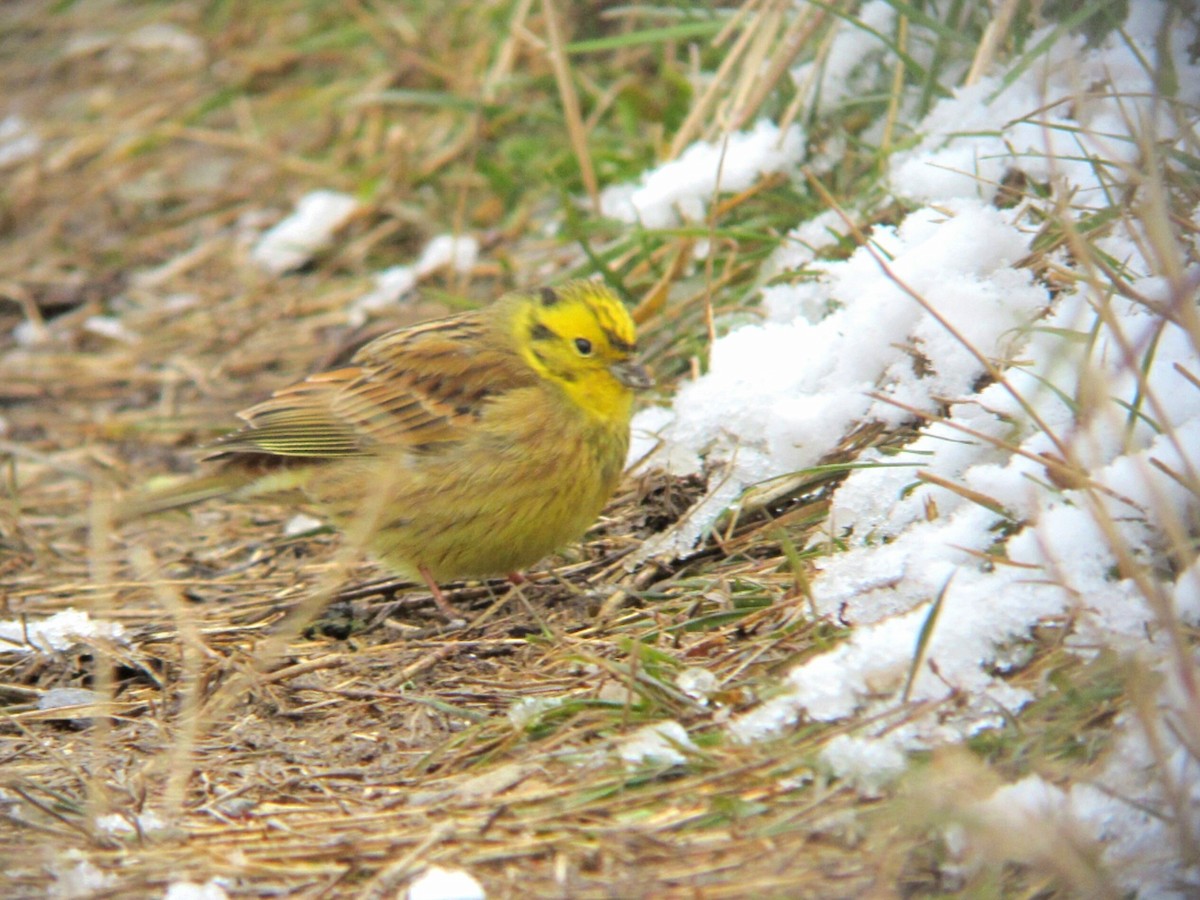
{"points": [[633, 375]]}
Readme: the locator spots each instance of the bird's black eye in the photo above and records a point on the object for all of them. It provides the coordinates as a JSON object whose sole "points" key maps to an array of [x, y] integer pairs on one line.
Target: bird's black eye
{"points": [[584, 346]]}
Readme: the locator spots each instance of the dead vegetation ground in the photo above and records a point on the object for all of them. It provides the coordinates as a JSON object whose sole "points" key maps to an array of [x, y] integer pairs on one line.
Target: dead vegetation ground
{"points": [[374, 745], [370, 744]]}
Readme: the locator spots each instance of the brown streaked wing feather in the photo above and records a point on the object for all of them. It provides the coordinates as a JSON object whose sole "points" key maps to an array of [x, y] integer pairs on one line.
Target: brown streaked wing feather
{"points": [[420, 388], [297, 421]]}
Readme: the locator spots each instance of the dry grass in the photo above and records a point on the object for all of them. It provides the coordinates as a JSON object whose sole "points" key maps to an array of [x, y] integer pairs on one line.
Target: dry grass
{"points": [[345, 760], [371, 743]]}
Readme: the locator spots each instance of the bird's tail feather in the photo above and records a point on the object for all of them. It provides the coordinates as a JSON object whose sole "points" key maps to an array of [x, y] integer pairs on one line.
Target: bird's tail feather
{"points": [[178, 496]]}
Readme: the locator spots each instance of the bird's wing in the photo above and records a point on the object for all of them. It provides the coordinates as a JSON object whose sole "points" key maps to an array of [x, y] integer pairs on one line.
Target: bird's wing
{"points": [[418, 389]]}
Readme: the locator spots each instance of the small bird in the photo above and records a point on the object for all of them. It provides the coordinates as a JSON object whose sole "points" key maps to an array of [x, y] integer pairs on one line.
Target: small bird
{"points": [[462, 447]]}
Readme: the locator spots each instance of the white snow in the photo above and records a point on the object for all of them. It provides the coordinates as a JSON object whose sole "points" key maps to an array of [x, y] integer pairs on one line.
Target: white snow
{"points": [[526, 711], [869, 765], [1118, 808], [456, 252], [697, 683], [659, 743], [391, 285], [842, 73], [110, 327], [779, 396], [18, 141], [437, 883], [309, 229], [76, 878], [146, 823], [66, 697], [1038, 126], [453, 251], [681, 189], [920, 321], [301, 523], [28, 333], [190, 890], [1030, 815], [60, 631]]}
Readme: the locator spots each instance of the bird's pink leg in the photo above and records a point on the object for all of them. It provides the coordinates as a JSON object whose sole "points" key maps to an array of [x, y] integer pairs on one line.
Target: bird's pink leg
{"points": [[439, 598]]}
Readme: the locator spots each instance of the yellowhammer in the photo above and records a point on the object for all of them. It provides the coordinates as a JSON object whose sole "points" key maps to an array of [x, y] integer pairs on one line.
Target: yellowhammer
{"points": [[468, 446]]}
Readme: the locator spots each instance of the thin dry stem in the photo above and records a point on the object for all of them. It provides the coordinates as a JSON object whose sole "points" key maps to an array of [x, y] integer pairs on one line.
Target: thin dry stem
{"points": [[570, 102]]}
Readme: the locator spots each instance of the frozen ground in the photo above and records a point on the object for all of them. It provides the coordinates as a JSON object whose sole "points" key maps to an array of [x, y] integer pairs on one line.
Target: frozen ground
{"points": [[941, 316]]}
